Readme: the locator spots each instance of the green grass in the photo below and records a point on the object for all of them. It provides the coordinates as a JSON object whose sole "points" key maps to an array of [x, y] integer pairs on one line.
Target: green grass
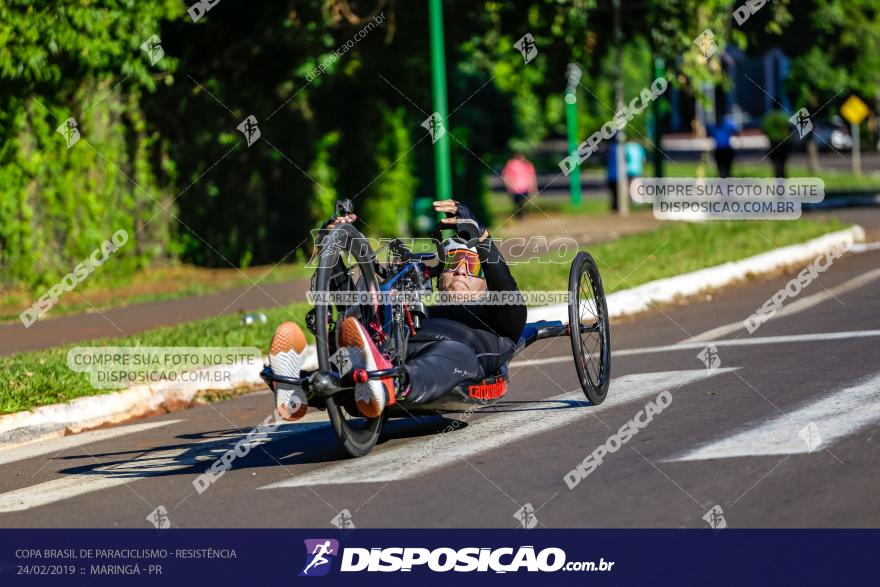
{"points": [[42, 377], [672, 249]]}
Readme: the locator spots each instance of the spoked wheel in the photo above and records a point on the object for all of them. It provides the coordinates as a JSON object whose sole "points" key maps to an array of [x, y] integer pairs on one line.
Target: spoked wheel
{"points": [[347, 263], [590, 333]]}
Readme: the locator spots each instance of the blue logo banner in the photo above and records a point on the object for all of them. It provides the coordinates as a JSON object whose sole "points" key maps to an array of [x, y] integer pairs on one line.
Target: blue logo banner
{"points": [[396, 557]]}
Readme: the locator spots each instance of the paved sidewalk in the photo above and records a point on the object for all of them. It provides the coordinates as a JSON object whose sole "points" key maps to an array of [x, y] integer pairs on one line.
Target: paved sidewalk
{"points": [[586, 229], [128, 320]]}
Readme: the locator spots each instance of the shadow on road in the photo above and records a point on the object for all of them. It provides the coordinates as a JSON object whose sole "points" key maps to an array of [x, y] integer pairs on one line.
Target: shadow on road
{"points": [[290, 444]]}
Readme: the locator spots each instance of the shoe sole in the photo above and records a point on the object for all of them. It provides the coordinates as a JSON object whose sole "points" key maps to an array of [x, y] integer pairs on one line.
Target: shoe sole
{"points": [[352, 334], [285, 359]]}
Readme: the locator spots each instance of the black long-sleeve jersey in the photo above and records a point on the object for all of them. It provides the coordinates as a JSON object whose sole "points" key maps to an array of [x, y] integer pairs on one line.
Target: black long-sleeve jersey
{"points": [[492, 330]]}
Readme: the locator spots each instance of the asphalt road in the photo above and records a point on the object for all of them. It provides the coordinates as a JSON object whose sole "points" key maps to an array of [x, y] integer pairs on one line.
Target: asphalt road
{"points": [[736, 436]]}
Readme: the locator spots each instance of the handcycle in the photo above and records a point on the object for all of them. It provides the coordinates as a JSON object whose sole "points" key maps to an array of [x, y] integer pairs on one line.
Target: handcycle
{"points": [[348, 263]]}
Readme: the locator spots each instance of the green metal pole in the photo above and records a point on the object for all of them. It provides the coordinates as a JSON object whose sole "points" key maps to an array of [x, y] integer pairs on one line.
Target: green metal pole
{"points": [[442, 164], [573, 77], [571, 123]]}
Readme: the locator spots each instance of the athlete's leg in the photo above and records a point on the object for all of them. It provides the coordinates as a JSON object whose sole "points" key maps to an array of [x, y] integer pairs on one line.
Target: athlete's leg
{"points": [[435, 367]]}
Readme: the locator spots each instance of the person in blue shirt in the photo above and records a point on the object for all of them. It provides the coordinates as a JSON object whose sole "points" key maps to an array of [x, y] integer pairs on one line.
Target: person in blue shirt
{"points": [[723, 133], [635, 159]]}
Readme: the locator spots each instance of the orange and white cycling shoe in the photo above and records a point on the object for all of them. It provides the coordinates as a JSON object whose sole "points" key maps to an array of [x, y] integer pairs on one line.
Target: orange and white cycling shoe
{"points": [[286, 355], [372, 395]]}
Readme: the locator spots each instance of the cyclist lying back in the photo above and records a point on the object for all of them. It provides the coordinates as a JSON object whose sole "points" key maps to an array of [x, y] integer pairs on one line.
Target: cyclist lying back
{"points": [[457, 343]]}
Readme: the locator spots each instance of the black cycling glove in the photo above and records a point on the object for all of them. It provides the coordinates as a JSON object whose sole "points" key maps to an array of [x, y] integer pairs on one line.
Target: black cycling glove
{"points": [[467, 226], [342, 208]]}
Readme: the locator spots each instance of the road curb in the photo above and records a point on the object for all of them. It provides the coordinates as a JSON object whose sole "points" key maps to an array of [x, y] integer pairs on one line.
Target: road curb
{"points": [[643, 297], [94, 411]]}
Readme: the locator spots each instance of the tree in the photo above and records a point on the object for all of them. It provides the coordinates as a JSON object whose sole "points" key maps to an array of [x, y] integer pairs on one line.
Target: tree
{"points": [[833, 53], [59, 201]]}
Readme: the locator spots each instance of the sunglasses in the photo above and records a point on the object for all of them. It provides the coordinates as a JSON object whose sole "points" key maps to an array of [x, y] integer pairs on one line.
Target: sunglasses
{"points": [[470, 260]]}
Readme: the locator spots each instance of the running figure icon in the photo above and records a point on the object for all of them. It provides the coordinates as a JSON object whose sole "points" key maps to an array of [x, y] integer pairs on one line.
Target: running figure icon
{"points": [[318, 556]]}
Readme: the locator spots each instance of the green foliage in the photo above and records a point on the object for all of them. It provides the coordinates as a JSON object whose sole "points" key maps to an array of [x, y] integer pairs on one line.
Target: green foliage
{"points": [[389, 211], [776, 126], [596, 94], [161, 157], [57, 204], [830, 43], [324, 173]]}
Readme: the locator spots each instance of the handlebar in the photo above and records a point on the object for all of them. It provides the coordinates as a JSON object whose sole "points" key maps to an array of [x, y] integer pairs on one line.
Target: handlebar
{"points": [[344, 207], [398, 248]]}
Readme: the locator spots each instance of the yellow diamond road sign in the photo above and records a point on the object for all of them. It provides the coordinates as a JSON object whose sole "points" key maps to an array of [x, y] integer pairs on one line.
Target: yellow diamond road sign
{"points": [[854, 110]]}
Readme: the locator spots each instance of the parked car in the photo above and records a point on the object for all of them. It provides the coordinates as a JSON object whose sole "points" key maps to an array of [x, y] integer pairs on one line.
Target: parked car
{"points": [[832, 135]]}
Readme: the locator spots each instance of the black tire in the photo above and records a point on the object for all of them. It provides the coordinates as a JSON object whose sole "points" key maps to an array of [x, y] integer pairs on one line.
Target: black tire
{"points": [[357, 434], [591, 349]]}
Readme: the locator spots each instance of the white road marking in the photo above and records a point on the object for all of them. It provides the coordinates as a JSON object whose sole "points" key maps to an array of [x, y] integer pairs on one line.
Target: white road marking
{"points": [[683, 346], [124, 470], [56, 445], [837, 415], [794, 307], [56, 490], [419, 456]]}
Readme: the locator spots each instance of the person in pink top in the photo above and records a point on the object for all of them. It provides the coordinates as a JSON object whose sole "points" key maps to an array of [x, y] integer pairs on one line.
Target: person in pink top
{"points": [[520, 180]]}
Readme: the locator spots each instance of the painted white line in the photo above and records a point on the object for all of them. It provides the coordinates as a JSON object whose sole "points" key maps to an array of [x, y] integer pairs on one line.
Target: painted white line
{"points": [[684, 346], [56, 445], [52, 491], [837, 415], [794, 307], [499, 429], [149, 464]]}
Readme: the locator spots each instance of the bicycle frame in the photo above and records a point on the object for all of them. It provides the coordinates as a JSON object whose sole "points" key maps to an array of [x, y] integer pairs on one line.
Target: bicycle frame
{"points": [[387, 285]]}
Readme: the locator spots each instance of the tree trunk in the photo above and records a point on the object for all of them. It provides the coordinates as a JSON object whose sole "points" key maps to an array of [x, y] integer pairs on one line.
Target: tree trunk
{"points": [[812, 155]]}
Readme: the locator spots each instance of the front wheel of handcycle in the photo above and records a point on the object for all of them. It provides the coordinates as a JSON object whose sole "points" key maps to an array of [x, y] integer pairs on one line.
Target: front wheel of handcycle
{"points": [[588, 326], [347, 263]]}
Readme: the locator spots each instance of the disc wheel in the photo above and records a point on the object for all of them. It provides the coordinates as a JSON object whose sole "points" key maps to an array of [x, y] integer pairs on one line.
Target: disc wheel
{"points": [[590, 333], [347, 263]]}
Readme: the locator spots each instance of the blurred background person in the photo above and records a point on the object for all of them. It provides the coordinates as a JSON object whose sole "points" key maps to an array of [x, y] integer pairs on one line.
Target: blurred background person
{"points": [[635, 157], [723, 133], [611, 173], [520, 180]]}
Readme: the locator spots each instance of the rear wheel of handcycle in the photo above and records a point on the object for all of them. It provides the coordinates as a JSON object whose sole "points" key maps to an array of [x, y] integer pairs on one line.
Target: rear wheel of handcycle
{"points": [[590, 333], [347, 263]]}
